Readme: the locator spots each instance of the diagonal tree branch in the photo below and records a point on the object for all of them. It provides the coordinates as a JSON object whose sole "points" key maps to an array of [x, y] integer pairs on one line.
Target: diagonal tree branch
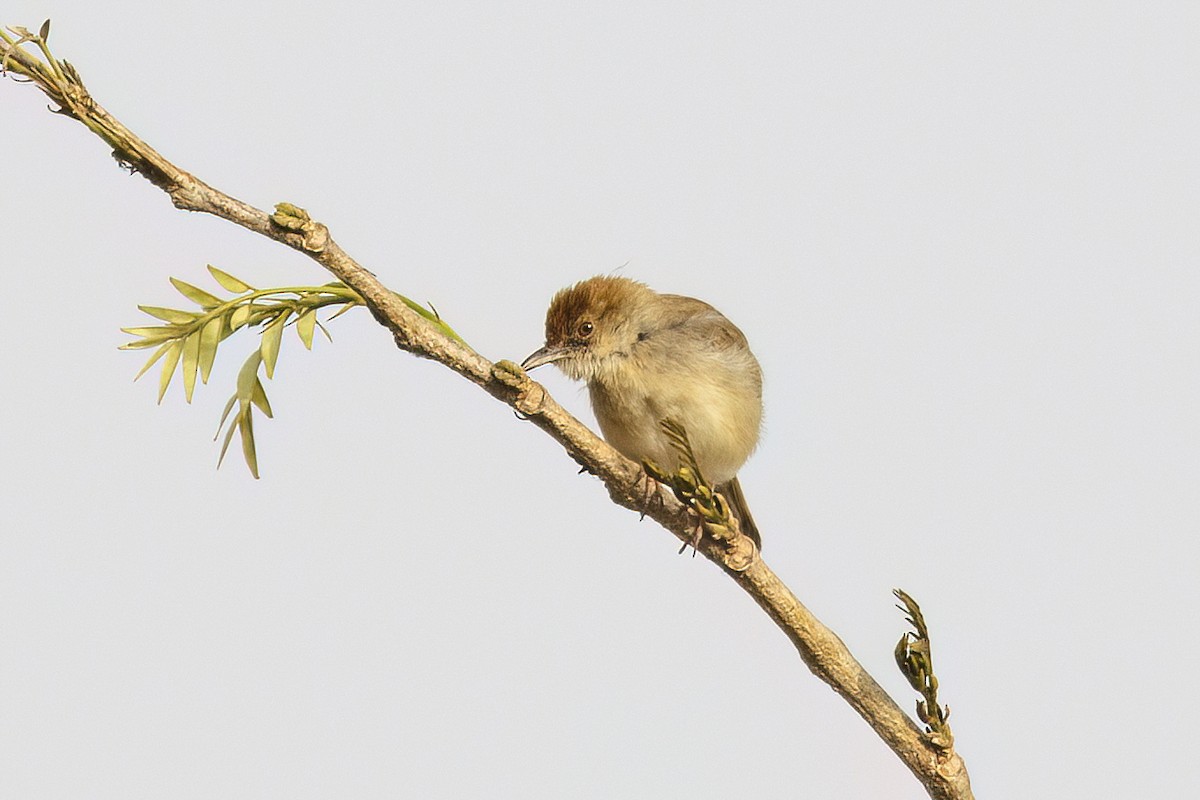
{"points": [[931, 758]]}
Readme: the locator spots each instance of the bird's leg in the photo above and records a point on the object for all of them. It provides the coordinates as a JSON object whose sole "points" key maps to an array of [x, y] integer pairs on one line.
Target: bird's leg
{"points": [[694, 542], [648, 487]]}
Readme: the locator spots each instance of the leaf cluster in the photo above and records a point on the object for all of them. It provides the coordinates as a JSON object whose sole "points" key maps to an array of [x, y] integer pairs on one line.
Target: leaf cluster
{"points": [[20, 62], [187, 340], [916, 663], [57, 78], [688, 483]]}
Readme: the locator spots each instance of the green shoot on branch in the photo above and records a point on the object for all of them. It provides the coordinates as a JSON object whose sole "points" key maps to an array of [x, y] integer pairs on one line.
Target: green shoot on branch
{"points": [[186, 342], [915, 660]]}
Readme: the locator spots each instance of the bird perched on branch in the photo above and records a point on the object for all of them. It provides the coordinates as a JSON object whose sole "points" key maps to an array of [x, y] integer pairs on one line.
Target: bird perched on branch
{"points": [[650, 358]]}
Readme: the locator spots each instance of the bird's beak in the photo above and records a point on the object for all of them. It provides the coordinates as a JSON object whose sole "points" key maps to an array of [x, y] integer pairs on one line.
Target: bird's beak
{"points": [[547, 355]]}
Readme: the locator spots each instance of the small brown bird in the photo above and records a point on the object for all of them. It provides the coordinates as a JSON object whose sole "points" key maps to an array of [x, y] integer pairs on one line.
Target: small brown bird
{"points": [[649, 357]]}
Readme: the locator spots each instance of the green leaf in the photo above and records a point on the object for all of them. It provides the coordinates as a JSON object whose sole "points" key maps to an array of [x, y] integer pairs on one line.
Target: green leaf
{"points": [[263, 315], [156, 331], [259, 398], [168, 367], [246, 426], [271, 339], [343, 310], [324, 331], [228, 282], [233, 426], [191, 359], [172, 315], [141, 344], [247, 376], [210, 337], [305, 325], [239, 316], [224, 416], [153, 360], [196, 294]]}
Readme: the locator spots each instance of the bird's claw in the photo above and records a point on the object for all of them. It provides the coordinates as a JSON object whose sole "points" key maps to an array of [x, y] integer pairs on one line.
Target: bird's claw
{"points": [[694, 542]]}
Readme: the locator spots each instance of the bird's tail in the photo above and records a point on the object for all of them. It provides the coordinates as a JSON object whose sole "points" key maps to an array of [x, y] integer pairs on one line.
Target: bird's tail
{"points": [[732, 491]]}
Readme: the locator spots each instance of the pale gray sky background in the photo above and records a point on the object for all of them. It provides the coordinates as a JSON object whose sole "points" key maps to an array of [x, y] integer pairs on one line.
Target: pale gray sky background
{"points": [[962, 241]]}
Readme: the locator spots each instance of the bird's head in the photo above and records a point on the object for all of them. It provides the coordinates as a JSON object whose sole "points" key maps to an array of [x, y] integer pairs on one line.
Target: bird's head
{"points": [[592, 323]]}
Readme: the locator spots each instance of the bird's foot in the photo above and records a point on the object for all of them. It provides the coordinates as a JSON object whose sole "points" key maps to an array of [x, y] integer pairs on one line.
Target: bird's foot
{"points": [[694, 542], [647, 487]]}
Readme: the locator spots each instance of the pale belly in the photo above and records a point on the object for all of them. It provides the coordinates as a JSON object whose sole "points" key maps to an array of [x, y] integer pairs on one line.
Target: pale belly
{"points": [[722, 422]]}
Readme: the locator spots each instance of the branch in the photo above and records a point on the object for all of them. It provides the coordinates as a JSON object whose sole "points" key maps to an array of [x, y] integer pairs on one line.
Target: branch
{"points": [[932, 760]]}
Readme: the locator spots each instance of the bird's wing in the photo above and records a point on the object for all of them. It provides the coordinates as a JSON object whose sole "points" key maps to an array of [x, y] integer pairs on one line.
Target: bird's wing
{"points": [[695, 318]]}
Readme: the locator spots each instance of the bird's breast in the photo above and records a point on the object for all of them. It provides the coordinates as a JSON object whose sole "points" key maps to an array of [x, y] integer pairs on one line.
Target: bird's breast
{"points": [[720, 406]]}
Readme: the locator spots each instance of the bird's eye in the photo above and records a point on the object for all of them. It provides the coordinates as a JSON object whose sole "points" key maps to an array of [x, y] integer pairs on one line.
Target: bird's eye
{"points": [[585, 329]]}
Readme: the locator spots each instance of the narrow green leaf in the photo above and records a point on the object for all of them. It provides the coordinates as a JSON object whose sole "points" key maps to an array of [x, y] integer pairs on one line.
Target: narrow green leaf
{"points": [[141, 344], [168, 367], [191, 359], [247, 376], [246, 426], [343, 310], [155, 331], [233, 426], [224, 416], [153, 360], [259, 398], [305, 325], [239, 316], [324, 330], [271, 339], [262, 315], [228, 282], [210, 337], [196, 294], [172, 315]]}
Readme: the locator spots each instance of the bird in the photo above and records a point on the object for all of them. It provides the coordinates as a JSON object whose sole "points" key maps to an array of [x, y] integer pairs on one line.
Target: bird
{"points": [[649, 358]]}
